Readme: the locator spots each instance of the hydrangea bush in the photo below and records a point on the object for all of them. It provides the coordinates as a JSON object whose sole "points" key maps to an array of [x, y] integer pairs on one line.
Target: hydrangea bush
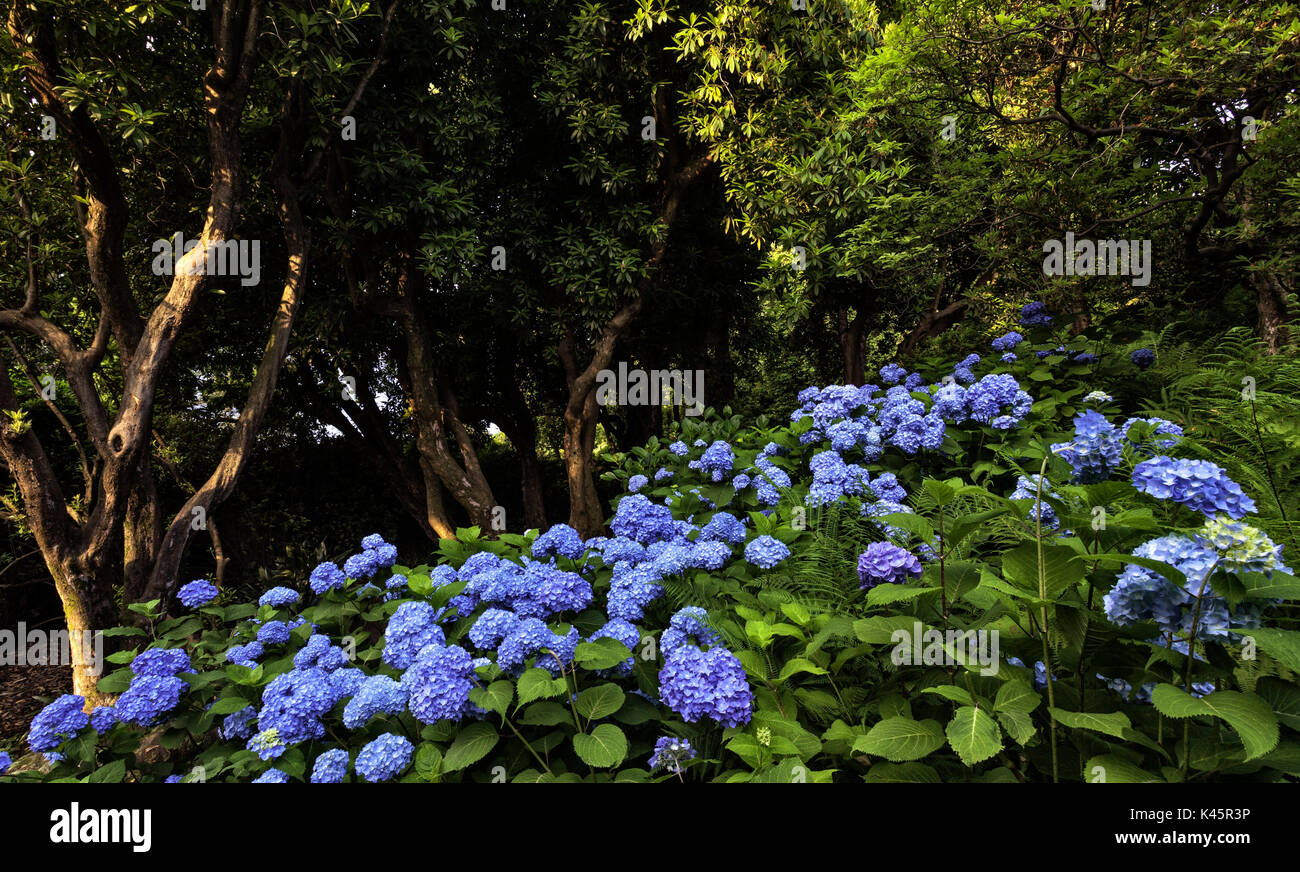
{"points": [[852, 594]]}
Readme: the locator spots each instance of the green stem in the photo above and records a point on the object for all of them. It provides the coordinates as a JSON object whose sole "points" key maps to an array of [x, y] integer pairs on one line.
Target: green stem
{"points": [[1187, 670], [1042, 596], [531, 749]]}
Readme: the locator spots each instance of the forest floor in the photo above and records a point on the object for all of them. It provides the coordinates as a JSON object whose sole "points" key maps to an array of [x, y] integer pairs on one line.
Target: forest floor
{"points": [[22, 689]]}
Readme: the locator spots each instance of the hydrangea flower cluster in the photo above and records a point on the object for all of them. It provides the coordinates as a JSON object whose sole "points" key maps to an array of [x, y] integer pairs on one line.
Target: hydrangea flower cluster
{"points": [[670, 752], [1095, 450], [766, 552], [57, 722], [886, 563], [1141, 594], [385, 758], [698, 684], [562, 540], [1199, 485], [1143, 358], [197, 593], [1035, 314], [716, 461], [279, 597]]}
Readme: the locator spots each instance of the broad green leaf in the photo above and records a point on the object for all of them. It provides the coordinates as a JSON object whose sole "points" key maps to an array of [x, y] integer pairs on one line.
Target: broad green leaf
{"points": [[1249, 716], [602, 653], [974, 735], [471, 745], [545, 714], [539, 684], [603, 748], [1113, 769], [884, 772], [1016, 695], [600, 701], [496, 697], [952, 692], [798, 665], [901, 739]]}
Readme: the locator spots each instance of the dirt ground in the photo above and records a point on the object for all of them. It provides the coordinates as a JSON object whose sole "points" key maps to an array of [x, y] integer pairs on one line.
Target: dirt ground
{"points": [[21, 689]]}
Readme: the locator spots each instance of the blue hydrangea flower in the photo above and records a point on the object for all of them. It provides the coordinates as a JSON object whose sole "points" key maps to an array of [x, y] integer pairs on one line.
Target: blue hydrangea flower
{"points": [[149, 698], [561, 540], [279, 596], [295, 702], [362, 565], [161, 661], [103, 718], [638, 518], [631, 589], [688, 627], [1095, 450], [679, 448], [1034, 314], [378, 695], [197, 593], [331, 767], [1197, 484], [527, 637], [1098, 397], [892, 374], [1158, 427], [272, 776], [636, 482], [57, 722], [988, 399], [698, 684], [670, 752], [326, 577], [712, 555], [238, 725], [438, 683], [320, 653], [273, 633], [267, 744], [886, 563], [1143, 358], [662, 473], [5, 762], [765, 552], [723, 527], [1007, 341], [385, 758], [410, 628], [716, 461], [1027, 489], [245, 655]]}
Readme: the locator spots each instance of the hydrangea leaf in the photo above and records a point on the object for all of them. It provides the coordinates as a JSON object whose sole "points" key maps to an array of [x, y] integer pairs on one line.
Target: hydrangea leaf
{"points": [[603, 748], [901, 739], [470, 746], [974, 735], [1249, 716], [600, 701]]}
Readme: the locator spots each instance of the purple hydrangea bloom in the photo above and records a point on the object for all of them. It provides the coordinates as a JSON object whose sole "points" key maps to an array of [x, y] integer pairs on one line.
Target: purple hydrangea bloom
{"points": [[698, 684], [670, 752], [884, 562], [149, 698], [279, 597]]}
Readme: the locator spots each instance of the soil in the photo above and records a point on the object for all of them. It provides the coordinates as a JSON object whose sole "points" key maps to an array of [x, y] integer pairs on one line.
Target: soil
{"points": [[24, 691]]}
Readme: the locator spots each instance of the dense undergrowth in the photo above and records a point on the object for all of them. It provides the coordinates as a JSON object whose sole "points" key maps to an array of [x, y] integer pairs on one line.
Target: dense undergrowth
{"points": [[1060, 559]]}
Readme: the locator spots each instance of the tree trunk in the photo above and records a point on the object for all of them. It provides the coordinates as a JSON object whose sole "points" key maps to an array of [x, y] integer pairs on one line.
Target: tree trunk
{"points": [[530, 474], [585, 512], [853, 348], [1274, 311]]}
